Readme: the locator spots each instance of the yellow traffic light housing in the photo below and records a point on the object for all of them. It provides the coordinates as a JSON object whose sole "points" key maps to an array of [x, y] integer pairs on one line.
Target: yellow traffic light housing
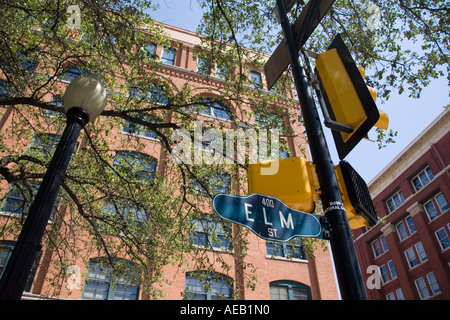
{"points": [[293, 183], [296, 184], [348, 99]]}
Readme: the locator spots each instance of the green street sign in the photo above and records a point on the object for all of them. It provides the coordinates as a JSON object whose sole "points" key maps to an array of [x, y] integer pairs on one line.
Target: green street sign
{"points": [[268, 217]]}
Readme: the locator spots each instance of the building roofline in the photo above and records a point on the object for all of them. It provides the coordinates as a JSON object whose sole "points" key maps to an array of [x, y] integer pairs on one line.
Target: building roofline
{"points": [[412, 152]]}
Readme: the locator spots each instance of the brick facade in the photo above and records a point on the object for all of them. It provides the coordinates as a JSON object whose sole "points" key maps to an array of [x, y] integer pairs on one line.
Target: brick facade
{"points": [[411, 196]]}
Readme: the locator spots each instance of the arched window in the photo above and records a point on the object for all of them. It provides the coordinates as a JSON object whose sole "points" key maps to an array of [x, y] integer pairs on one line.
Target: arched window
{"points": [[131, 162], [209, 107], [289, 290], [101, 285], [204, 285]]}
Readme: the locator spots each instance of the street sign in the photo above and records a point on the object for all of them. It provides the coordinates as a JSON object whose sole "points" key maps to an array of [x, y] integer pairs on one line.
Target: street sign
{"points": [[310, 17], [268, 217]]}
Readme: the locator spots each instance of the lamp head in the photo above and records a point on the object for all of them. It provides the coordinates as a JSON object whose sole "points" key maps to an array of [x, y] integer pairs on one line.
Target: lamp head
{"points": [[87, 93]]}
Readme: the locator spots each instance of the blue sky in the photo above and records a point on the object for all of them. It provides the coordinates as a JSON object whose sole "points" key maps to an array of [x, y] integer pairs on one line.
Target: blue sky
{"points": [[406, 115]]}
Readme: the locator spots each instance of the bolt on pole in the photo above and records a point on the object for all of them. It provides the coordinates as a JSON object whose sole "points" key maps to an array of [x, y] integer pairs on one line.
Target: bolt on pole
{"points": [[346, 262]]}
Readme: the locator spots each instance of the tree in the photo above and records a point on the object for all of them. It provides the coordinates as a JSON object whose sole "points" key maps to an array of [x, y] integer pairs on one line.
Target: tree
{"points": [[42, 45], [402, 45], [114, 204]]}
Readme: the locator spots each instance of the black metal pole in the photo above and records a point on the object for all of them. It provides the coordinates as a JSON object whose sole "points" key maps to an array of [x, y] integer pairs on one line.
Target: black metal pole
{"points": [[15, 274], [346, 262]]}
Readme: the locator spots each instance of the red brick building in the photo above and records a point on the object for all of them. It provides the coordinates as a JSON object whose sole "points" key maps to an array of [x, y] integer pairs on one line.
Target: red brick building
{"points": [[277, 276], [411, 243]]}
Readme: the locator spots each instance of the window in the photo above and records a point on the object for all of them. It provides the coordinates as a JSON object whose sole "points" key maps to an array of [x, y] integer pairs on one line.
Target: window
{"points": [[168, 56], [292, 249], [256, 79], [289, 290], [222, 72], [405, 228], [139, 165], [410, 224], [435, 206], [388, 273], [421, 252], [6, 248], [216, 183], [6, 89], [43, 146], [26, 63], [141, 130], [443, 239], [395, 201], [212, 233], [401, 231], [441, 202], [384, 274], [433, 283], [392, 269], [390, 296], [411, 258], [57, 102], [71, 73], [101, 285], [129, 213], [400, 295], [150, 50], [203, 285], [423, 289], [150, 93], [212, 108], [20, 196], [379, 246], [203, 66], [422, 179]]}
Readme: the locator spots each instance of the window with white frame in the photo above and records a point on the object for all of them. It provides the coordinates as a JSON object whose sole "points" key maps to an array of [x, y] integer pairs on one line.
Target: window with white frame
{"points": [[101, 284], [435, 206], [168, 56], [422, 288], [256, 79], [416, 255], [443, 238], [422, 179], [379, 246], [411, 258], [427, 288], [395, 201], [212, 233], [399, 294], [392, 271], [204, 285], [289, 290], [405, 228], [292, 249], [421, 252]]}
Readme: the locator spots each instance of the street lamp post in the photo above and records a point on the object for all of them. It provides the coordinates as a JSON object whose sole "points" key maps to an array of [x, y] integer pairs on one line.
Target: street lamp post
{"points": [[84, 100]]}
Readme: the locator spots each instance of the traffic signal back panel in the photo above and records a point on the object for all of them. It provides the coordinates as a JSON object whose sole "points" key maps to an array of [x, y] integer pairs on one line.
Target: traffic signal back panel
{"points": [[347, 97]]}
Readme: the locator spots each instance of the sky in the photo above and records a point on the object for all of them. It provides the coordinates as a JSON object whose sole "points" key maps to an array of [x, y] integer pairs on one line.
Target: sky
{"points": [[408, 116]]}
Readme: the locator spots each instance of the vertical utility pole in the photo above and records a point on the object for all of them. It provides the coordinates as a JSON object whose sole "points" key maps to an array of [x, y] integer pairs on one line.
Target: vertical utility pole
{"points": [[346, 263]]}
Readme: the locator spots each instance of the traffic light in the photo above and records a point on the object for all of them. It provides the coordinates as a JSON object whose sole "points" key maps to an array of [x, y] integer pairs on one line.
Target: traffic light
{"points": [[294, 183], [348, 99], [356, 197]]}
